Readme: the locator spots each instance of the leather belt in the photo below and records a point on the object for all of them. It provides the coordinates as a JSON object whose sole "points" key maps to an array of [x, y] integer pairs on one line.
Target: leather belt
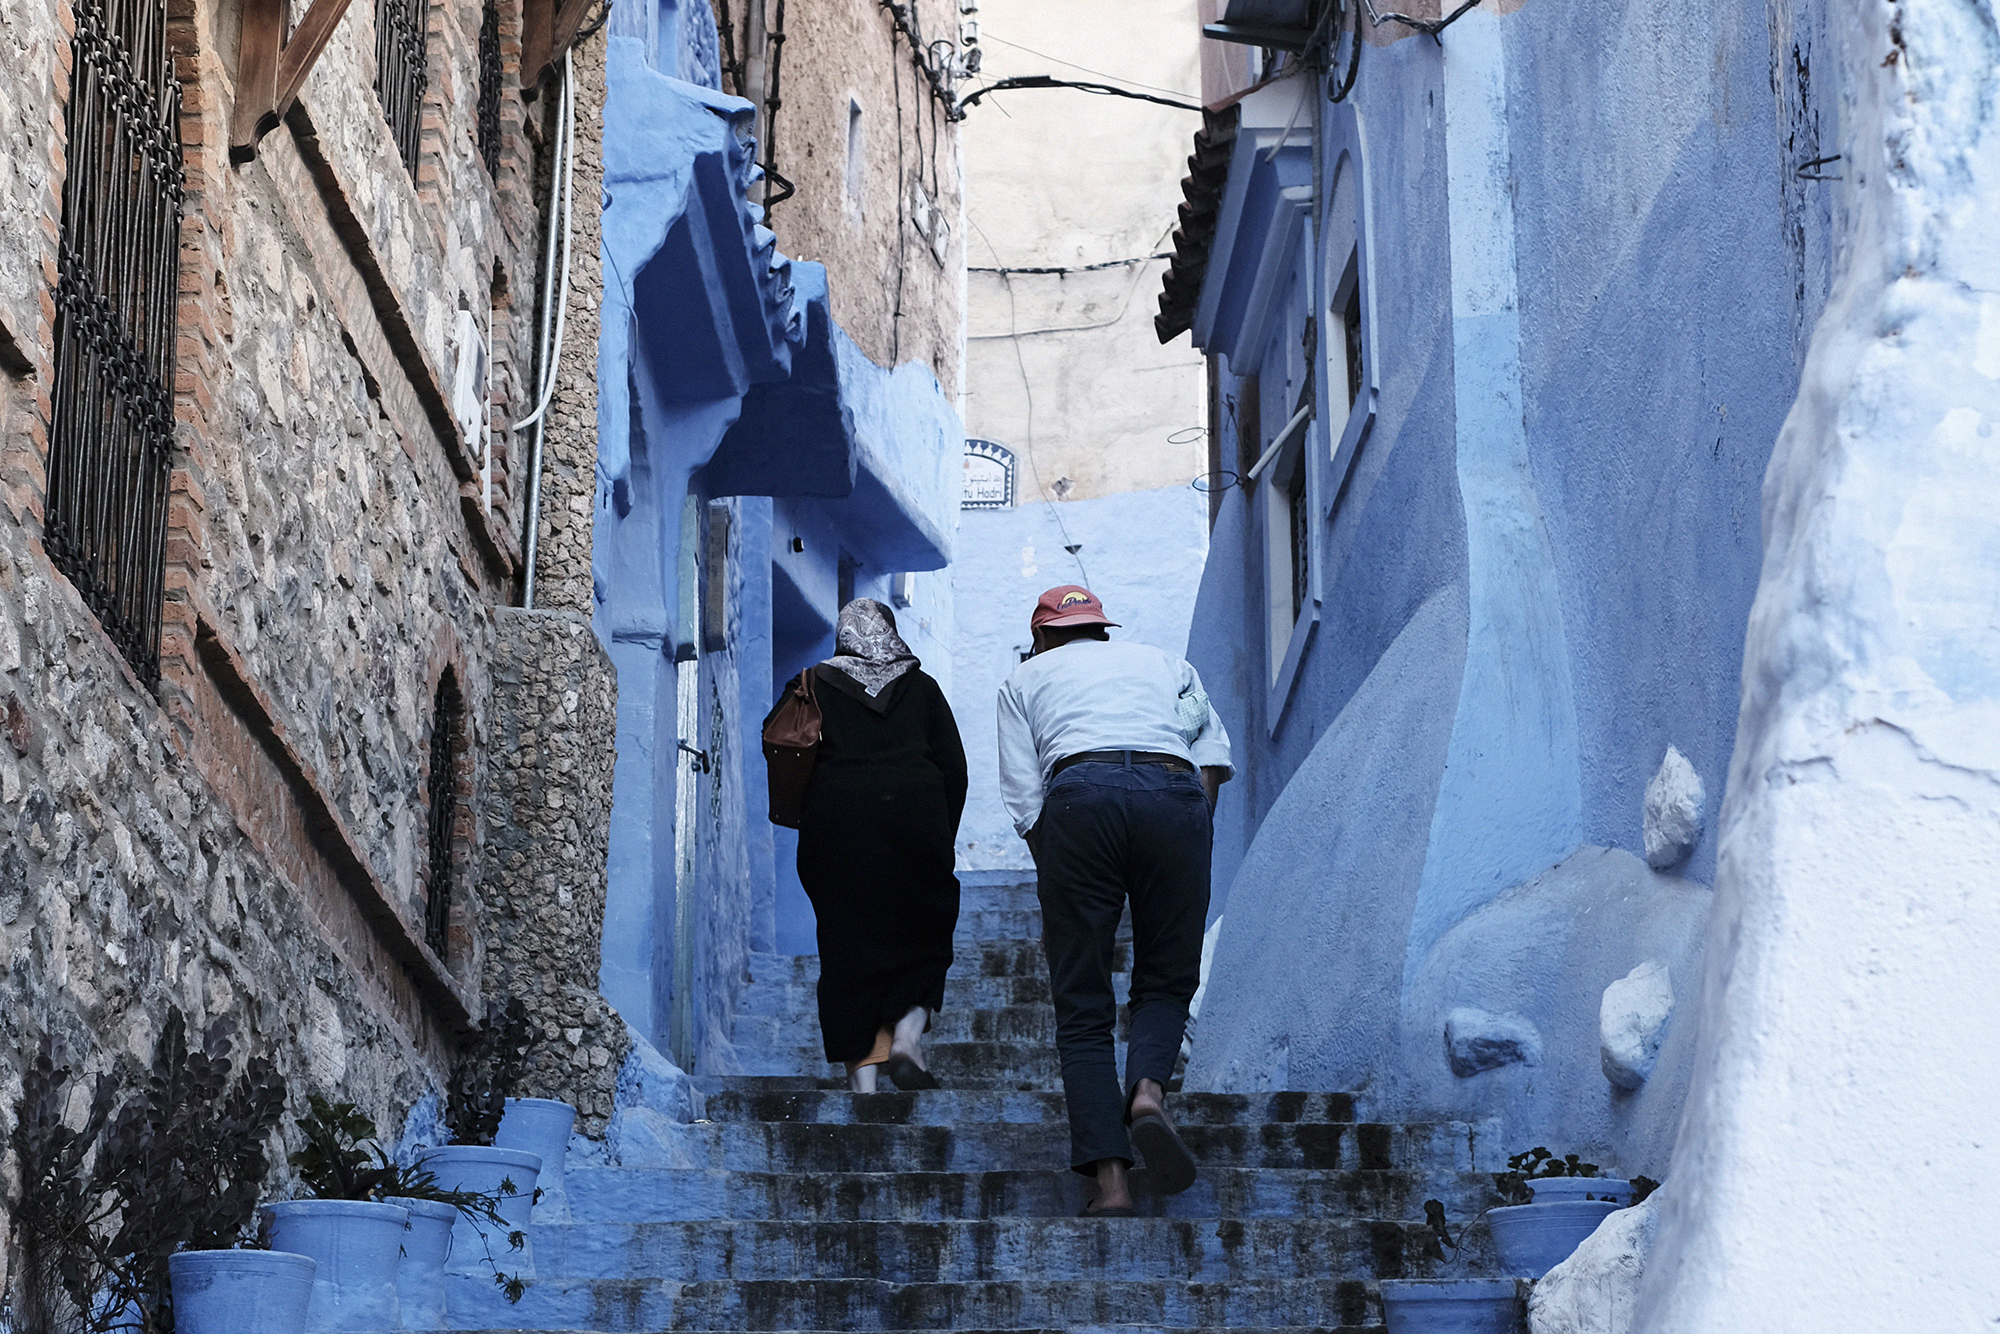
{"points": [[1174, 763]]}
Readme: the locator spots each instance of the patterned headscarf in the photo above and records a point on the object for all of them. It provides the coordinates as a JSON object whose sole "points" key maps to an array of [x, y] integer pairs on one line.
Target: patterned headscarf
{"points": [[867, 649]]}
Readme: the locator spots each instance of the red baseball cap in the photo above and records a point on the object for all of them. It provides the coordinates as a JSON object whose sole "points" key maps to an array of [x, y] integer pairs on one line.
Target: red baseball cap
{"points": [[1068, 604]]}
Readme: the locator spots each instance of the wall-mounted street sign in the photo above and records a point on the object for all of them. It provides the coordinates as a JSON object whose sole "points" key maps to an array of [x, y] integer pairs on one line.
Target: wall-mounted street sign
{"points": [[989, 476]]}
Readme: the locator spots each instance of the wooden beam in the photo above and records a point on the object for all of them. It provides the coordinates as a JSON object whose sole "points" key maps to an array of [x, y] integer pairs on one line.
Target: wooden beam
{"points": [[545, 37], [315, 30], [256, 111], [538, 25]]}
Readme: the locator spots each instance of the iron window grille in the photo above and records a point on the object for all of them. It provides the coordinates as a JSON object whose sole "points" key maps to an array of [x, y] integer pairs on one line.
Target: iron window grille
{"points": [[117, 283], [447, 728], [402, 63], [489, 87]]}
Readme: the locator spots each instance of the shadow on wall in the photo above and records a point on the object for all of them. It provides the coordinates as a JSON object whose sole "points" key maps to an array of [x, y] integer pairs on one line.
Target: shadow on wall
{"points": [[1140, 551], [1507, 1016]]}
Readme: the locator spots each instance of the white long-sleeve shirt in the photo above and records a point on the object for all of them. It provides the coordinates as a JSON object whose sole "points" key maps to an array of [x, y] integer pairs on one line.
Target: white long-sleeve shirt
{"points": [[1092, 694]]}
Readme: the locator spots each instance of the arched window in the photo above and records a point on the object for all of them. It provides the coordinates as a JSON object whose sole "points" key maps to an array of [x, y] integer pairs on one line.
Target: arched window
{"points": [[447, 753]]}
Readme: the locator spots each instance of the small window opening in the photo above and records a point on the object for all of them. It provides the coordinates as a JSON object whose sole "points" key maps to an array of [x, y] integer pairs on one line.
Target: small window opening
{"points": [[856, 156], [1350, 320], [447, 730], [1301, 517]]}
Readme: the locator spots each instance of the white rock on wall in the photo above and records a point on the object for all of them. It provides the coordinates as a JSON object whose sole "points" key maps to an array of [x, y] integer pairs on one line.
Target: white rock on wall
{"points": [[1673, 811], [1631, 1021], [1595, 1291], [1477, 1040]]}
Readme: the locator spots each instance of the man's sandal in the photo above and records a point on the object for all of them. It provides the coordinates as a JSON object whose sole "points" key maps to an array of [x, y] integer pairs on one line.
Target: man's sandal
{"points": [[1168, 1161], [1113, 1211]]}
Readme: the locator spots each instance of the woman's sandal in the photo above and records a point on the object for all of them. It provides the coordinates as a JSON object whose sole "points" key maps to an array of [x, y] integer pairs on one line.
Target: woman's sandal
{"points": [[908, 1075]]}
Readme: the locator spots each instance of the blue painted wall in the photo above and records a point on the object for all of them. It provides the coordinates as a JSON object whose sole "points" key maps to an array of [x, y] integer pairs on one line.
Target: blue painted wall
{"points": [[1590, 265], [1140, 551], [747, 454]]}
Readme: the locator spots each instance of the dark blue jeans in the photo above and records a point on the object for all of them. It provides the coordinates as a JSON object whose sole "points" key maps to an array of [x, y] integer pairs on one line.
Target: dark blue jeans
{"points": [[1108, 832]]}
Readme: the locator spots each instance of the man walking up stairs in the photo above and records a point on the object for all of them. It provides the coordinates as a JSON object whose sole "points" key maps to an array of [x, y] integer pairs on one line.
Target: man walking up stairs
{"points": [[800, 1206]]}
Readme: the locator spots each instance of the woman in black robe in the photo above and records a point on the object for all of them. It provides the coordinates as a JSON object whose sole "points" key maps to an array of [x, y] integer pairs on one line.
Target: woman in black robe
{"points": [[876, 848]]}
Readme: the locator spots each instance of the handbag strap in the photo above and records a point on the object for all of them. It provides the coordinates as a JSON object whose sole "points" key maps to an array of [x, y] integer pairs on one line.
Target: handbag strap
{"points": [[806, 687]]}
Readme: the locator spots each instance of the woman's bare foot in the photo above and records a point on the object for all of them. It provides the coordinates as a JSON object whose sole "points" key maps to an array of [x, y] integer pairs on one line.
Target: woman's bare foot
{"points": [[906, 1052], [909, 1035], [861, 1078]]}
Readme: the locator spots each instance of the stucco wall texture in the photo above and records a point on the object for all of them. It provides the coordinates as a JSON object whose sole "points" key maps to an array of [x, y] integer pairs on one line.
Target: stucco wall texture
{"points": [[843, 61], [1140, 551], [1063, 367], [1524, 605], [1846, 1015]]}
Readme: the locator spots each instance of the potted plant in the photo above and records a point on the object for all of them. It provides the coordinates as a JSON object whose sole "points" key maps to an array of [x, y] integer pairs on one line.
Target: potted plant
{"points": [[152, 1234], [1450, 1306], [1553, 1203], [381, 1231], [343, 1222], [540, 1126], [475, 1101]]}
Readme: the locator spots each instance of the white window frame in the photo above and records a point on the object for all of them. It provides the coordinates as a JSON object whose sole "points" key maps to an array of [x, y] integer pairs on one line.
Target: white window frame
{"points": [[1346, 264]]}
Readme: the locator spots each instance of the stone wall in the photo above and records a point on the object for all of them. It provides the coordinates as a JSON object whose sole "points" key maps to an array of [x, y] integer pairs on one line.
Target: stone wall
{"points": [[250, 836], [893, 295], [548, 824]]}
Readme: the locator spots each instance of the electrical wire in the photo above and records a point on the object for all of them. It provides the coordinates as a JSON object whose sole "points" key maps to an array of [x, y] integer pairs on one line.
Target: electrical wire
{"points": [[1429, 27], [1049, 81], [1076, 268], [987, 36], [1071, 546]]}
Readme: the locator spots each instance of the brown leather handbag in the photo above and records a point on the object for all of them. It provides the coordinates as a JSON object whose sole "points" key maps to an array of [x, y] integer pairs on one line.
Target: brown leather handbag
{"points": [[791, 747]]}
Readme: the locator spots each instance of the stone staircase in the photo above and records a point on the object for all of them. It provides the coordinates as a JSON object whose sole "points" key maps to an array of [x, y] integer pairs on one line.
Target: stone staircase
{"points": [[799, 1206]]}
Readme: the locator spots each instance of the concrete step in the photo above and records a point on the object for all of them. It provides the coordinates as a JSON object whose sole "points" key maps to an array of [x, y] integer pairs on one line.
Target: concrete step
{"points": [[629, 1306], [1008, 1023], [983, 924], [764, 1146], [613, 1195], [963, 1107], [1081, 1329], [962, 991], [986, 958], [980, 1250], [989, 1065]]}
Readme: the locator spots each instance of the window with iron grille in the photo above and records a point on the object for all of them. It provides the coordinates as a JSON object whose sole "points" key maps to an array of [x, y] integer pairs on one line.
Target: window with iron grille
{"points": [[447, 731], [489, 87], [118, 269], [402, 62]]}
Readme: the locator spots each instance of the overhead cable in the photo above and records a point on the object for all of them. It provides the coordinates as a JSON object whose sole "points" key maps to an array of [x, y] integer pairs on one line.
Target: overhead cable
{"points": [[1083, 86]]}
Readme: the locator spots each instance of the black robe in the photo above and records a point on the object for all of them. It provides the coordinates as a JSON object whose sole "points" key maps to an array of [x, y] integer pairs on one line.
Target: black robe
{"points": [[876, 854]]}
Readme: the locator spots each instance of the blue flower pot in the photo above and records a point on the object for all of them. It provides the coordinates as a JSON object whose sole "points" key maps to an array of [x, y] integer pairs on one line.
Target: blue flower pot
{"points": [[240, 1292], [541, 1126], [357, 1244], [426, 1250], [1534, 1238], [1548, 1190], [489, 1171], [1466, 1306]]}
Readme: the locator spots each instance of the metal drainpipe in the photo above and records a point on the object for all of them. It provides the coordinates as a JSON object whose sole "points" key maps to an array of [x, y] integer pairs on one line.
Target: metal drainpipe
{"points": [[548, 347]]}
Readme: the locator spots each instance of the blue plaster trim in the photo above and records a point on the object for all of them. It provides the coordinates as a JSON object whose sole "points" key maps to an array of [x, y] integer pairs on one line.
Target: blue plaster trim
{"points": [[1510, 803]]}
